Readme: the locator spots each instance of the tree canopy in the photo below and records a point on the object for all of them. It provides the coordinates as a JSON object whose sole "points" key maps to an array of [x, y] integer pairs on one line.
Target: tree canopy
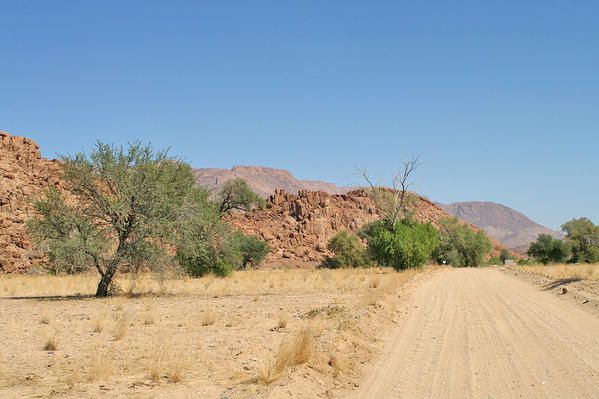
{"points": [[583, 237], [547, 249], [460, 245]]}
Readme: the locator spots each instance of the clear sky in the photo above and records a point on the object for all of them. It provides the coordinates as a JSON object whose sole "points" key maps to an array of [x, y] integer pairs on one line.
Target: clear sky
{"points": [[501, 98]]}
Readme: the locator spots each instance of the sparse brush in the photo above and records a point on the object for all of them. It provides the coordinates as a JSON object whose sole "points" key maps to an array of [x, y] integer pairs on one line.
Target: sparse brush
{"points": [[101, 366], [208, 318], [98, 325], [282, 320], [51, 343], [45, 319], [338, 363], [149, 317], [167, 361], [297, 350], [121, 327], [374, 282]]}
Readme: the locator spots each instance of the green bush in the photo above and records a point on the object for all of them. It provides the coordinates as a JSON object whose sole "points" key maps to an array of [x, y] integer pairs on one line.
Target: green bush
{"points": [[403, 245], [348, 251], [460, 245], [251, 249], [583, 238], [547, 249]]}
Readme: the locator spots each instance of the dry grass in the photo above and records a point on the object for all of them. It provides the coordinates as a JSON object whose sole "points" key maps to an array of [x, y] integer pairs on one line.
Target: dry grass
{"points": [[121, 327], [44, 318], [251, 282], [208, 318], [560, 272], [282, 320], [341, 331], [51, 343], [167, 362], [99, 323], [297, 350], [101, 366]]}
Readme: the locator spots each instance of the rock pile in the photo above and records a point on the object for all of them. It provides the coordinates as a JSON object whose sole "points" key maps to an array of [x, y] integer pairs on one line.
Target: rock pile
{"points": [[23, 175], [298, 227]]}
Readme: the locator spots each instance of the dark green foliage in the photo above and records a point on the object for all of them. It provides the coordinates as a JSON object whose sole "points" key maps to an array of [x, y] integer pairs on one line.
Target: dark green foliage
{"points": [[583, 237], [236, 194], [460, 245], [495, 261], [547, 249], [348, 251], [128, 200], [252, 249], [505, 255], [403, 245]]}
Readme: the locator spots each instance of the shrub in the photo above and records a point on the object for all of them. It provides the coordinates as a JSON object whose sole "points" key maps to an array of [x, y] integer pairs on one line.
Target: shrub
{"points": [[460, 245], [403, 245], [348, 251], [251, 249], [505, 255], [583, 238], [547, 249]]}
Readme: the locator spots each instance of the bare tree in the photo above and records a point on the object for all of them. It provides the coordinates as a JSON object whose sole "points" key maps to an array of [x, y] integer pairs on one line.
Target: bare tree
{"points": [[393, 202]]}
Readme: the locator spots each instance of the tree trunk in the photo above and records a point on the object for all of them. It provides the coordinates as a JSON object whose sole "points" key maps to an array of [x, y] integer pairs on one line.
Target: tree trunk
{"points": [[106, 279], [103, 285]]}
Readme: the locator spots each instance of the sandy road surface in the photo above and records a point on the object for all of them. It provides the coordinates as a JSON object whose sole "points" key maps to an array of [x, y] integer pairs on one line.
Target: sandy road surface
{"points": [[478, 333]]}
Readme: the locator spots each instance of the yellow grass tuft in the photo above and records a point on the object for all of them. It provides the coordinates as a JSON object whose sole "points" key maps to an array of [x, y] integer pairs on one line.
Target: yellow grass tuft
{"points": [[51, 343], [121, 327], [101, 366], [297, 350], [208, 318], [282, 320]]}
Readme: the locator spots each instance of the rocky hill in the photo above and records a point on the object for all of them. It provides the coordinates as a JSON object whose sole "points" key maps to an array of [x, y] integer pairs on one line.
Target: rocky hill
{"points": [[23, 174], [513, 229], [263, 180], [297, 227]]}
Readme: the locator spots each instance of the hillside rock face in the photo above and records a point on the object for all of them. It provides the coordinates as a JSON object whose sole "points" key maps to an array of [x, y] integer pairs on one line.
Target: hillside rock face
{"points": [[298, 227], [514, 230], [264, 181], [23, 175]]}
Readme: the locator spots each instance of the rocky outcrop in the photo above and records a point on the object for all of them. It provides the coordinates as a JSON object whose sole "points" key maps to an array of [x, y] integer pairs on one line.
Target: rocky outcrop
{"points": [[23, 175], [298, 227]]}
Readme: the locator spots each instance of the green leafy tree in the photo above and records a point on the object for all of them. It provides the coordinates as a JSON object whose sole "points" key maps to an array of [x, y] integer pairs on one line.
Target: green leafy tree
{"points": [[128, 203], [505, 255], [236, 194], [547, 249], [583, 237], [252, 250], [460, 245], [403, 245], [348, 251]]}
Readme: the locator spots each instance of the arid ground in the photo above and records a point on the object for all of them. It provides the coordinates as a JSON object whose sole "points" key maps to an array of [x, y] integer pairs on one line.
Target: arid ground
{"points": [[463, 333]]}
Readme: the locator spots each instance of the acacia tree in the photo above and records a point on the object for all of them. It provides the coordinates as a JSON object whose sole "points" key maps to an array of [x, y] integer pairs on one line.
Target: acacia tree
{"points": [[236, 194], [128, 202]]}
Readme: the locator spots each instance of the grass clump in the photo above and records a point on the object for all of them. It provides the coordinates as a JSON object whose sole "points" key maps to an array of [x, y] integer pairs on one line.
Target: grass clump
{"points": [[298, 350]]}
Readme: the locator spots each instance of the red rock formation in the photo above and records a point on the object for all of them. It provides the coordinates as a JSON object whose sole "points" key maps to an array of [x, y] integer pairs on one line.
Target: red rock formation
{"points": [[297, 227], [23, 175]]}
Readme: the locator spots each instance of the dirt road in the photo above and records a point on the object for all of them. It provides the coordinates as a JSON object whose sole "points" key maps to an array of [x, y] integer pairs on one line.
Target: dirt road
{"points": [[478, 333]]}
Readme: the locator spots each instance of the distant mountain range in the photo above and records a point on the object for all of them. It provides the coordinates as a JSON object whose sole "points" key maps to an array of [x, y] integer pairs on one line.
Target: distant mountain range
{"points": [[513, 229], [264, 180]]}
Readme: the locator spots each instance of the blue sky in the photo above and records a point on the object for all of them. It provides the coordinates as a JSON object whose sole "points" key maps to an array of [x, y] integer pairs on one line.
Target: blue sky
{"points": [[501, 99]]}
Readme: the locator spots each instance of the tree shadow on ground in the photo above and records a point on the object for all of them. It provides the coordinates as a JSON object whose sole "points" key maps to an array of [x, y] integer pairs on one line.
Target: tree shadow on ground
{"points": [[557, 283]]}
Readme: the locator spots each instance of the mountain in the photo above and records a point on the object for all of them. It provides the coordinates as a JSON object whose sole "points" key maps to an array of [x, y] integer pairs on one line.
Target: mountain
{"points": [[513, 229], [263, 180]]}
